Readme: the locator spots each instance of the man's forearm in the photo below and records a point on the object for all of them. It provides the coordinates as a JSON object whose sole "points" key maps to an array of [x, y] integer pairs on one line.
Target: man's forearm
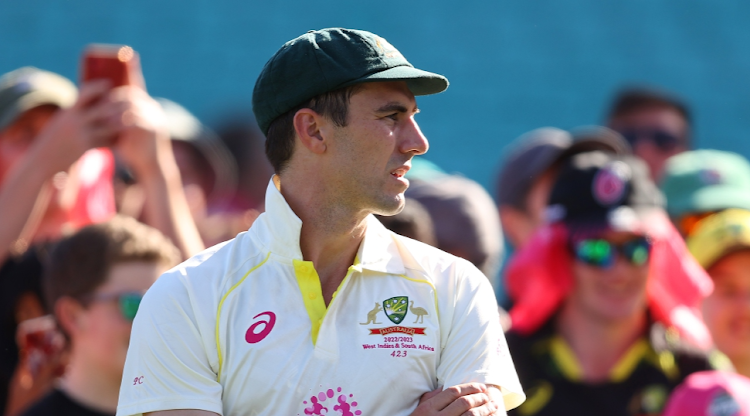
{"points": [[22, 202], [166, 207]]}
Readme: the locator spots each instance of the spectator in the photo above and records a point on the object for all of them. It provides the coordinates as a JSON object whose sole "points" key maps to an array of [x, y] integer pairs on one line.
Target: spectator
{"points": [[711, 393], [209, 175], [721, 244], [246, 143], [606, 296], [463, 215], [95, 281], [56, 176], [654, 122], [202, 157], [699, 183], [529, 170]]}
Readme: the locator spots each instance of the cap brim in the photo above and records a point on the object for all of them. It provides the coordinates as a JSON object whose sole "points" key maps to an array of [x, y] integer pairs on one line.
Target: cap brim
{"points": [[720, 235], [622, 219], [713, 198], [32, 100], [419, 82]]}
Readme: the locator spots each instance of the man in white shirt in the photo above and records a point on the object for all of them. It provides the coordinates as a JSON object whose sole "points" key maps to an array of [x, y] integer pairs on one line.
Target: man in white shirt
{"points": [[318, 309]]}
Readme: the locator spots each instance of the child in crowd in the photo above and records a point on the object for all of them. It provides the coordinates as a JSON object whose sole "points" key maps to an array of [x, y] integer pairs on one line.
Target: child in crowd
{"points": [[95, 282], [721, 244]]}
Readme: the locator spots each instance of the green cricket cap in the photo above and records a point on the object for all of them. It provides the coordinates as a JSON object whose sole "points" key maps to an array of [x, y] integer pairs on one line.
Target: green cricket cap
{"points": [[328, 59], [702, 181], [29, 87]]}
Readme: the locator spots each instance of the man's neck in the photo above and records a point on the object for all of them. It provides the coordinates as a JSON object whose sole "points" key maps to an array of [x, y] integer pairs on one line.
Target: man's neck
{"points": [[331, 233], [598, 343], [87, 384]]}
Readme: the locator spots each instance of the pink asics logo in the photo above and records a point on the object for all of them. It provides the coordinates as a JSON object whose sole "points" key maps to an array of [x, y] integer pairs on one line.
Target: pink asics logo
{"points": [[259, 330]]}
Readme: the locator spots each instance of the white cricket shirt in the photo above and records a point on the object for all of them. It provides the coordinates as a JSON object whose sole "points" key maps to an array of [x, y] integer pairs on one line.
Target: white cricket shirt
{"points": [[242, 329]]}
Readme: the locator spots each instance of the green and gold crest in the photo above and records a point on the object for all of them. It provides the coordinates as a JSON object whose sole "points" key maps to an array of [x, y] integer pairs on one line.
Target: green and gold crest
{"points": [[395, 308]]}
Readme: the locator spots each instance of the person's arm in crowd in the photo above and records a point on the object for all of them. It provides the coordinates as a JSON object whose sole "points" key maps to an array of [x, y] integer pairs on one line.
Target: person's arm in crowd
{"points": [[146, 149], [69, 134]]}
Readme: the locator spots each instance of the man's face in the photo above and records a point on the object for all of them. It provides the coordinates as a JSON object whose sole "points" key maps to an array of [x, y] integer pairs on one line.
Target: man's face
{"points": [[370, 156], [642, 126], [104, 333], [610, 294], [727, 310], [16, 138]]}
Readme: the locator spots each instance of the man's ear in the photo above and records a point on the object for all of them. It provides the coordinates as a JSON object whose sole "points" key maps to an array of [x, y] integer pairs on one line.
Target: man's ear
{"points": [[69, 313], [309, 126]]}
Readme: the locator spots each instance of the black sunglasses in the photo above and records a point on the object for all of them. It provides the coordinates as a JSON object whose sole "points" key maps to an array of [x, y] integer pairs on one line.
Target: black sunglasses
{"points": [[664, 140]]}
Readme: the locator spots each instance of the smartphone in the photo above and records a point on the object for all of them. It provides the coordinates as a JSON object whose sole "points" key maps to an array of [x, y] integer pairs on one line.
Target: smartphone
{"points": [[39, 340], [119, 64]]}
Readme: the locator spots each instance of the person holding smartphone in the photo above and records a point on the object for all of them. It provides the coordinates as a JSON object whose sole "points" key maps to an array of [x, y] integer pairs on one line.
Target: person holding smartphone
{"points": [[94, 282], [56, 176], [606, 296]]}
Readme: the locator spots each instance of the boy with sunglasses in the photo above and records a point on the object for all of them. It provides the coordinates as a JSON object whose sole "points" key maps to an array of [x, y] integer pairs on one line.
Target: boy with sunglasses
{"points": [[95, 281], [606, 296]]}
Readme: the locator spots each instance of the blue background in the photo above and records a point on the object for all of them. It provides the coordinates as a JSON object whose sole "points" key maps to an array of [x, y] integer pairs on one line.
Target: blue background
{"points": [[514, 65]]}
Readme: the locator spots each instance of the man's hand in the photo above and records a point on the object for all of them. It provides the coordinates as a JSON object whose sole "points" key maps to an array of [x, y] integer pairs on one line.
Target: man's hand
{"points": [[144, 140], [145, 147], [91, 122], [471, 399]]}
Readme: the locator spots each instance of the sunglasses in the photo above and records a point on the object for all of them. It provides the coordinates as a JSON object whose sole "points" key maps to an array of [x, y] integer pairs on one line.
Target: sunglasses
{"points": [[127, 302], [601, 253], [664, 140]]}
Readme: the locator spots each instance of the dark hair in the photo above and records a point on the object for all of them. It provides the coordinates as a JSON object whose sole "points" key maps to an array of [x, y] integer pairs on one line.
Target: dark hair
{"points": [[80, 263], [632, 99], [333, 105]]}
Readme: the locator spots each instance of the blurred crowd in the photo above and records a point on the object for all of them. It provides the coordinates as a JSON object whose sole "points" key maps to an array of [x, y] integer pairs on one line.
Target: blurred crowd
{"points": [[625, 287]]}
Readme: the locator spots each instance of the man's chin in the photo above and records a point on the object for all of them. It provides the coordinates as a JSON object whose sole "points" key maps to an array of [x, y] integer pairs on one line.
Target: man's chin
{"points": [[392, 207]]}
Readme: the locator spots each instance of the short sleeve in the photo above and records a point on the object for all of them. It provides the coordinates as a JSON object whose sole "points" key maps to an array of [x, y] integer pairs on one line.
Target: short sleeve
{"points": [[168, 365], [474, 348]]}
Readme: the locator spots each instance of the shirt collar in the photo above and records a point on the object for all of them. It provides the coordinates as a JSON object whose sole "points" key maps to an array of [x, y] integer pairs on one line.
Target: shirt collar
{"points": [[279, 229], [379, 251]]}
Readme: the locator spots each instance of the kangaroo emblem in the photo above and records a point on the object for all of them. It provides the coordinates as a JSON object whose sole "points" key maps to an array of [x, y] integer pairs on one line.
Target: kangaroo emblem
{"points": [[372, 315]]}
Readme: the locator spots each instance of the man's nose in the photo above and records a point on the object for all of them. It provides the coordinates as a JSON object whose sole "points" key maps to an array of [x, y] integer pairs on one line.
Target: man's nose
{"points": [[412, 140]]}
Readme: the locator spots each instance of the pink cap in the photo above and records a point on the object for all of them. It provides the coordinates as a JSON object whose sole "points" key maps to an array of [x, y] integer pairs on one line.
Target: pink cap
{"points": [[711, 393]]}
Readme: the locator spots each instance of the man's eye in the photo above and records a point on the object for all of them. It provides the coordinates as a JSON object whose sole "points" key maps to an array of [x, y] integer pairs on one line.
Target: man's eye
{"points": [[393, 116]]}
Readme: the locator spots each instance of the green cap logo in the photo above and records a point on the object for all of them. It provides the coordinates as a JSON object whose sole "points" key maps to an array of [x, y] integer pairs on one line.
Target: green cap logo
{"points": [[395, 308]]}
